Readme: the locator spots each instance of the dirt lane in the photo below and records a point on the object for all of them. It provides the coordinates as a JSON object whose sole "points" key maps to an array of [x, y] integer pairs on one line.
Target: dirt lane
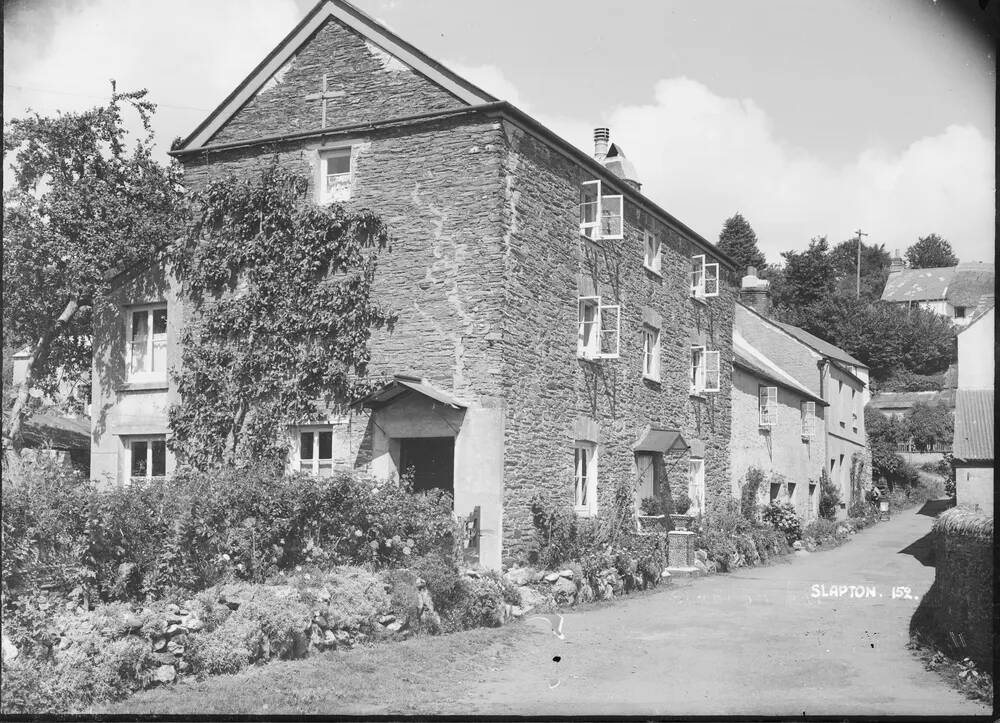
{"points": [[752, 642]]}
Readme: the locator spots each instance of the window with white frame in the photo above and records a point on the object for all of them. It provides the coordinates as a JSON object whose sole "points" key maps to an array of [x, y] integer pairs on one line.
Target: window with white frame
{"points": [[599, 332], [147, 456], [704, 278], [585, 477], [335, 168], [314, 449], [704, 370], [601, 216], [651, 352], [653, 256], [147, 342], [808, 411], [696, 485], [768, 405]]}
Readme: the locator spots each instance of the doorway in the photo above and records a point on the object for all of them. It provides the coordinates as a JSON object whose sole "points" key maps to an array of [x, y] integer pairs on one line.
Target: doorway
{"points": [[432, 460]]}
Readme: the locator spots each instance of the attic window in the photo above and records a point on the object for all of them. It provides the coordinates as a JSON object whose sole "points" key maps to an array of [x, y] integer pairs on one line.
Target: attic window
{"points": [[335, 169], [959, 312]]}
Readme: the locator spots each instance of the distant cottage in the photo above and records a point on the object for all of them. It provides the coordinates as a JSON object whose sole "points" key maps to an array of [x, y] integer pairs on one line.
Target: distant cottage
{"points": [[956, 292], [559, 333]]}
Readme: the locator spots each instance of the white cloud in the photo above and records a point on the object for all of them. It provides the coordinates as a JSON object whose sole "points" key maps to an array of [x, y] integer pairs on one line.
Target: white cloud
{"points": [[703, 157], [700, 155], [170, 48], [491, 79]]}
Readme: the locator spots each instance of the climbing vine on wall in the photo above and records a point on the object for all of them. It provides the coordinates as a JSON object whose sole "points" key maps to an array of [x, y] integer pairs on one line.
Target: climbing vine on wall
{"points": [[279, 312]]}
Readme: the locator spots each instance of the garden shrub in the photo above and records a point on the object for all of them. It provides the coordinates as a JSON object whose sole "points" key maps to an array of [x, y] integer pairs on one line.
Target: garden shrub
{"points": [[782, 516], [829, 497], [478, 603], [154, 539], [823, 532], [229, 648], [731, 540], [91, 670], [282, 623], [561, 535], [440, 574], [404, 595]]}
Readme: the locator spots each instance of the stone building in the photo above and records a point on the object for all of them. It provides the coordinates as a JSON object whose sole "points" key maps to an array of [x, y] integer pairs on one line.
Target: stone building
{"points": [[826, 372], [559, 334]]}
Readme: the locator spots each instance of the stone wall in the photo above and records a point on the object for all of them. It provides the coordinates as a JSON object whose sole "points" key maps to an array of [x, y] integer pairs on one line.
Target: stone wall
{"points": [[436, 188], [375, 86], [957, 612], [550, 392]]}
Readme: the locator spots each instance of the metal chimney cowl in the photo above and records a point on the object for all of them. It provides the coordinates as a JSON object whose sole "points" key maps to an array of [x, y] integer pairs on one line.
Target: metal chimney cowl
{"points": [[602, 137]]}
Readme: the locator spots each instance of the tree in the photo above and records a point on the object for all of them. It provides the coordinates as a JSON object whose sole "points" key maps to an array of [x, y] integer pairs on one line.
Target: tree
{"points": [[807, 276], [281, 300], [884, 433], [739, 241], [931, 252], [874, 269], [889, 339], [930, 425], [82, 203]]}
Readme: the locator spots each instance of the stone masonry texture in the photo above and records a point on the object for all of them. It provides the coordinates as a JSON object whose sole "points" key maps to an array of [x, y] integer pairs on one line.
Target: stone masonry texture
{"points": [[485, 268], [958, 609], [547, 387], [376, 86]]}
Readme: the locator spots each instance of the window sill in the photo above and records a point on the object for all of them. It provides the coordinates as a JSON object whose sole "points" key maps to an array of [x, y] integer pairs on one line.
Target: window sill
{"points": [[652, 379], [655, 272], [697, 394], [143, 385], [585, 512], [699, 299]]}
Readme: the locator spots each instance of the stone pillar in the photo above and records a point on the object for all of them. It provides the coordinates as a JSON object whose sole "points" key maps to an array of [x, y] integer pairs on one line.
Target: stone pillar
{"points": [[680, 552]]}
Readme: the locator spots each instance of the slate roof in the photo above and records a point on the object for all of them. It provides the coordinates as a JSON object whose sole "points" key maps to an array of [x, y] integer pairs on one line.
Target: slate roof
{"points": [[973, 425], [905, 400], [753, 360], [961, 285], [57, 432], [823, 347]]}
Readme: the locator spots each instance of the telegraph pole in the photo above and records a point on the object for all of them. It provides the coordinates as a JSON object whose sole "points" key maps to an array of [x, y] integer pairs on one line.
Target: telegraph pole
{"points": [[858, 288]]}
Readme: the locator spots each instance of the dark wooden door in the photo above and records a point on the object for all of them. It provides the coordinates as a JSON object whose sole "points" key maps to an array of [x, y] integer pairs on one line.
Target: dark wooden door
{"points": [[432, 460]]}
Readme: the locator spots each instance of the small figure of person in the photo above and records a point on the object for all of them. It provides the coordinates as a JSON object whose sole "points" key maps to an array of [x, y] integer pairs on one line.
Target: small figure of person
{"points": [[875, 496]]}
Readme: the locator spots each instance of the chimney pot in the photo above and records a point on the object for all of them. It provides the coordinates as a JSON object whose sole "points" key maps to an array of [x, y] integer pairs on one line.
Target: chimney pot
{"points": [[601, 138], [751, 270]]}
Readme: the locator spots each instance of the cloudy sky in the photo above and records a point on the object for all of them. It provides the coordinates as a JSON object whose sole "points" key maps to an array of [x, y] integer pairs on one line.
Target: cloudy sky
{"points": [[810, 117]]}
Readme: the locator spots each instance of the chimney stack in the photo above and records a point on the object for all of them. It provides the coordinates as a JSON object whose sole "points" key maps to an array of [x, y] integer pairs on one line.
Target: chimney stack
{"points": [[896, 264], [756, 292], [601, 138]]}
